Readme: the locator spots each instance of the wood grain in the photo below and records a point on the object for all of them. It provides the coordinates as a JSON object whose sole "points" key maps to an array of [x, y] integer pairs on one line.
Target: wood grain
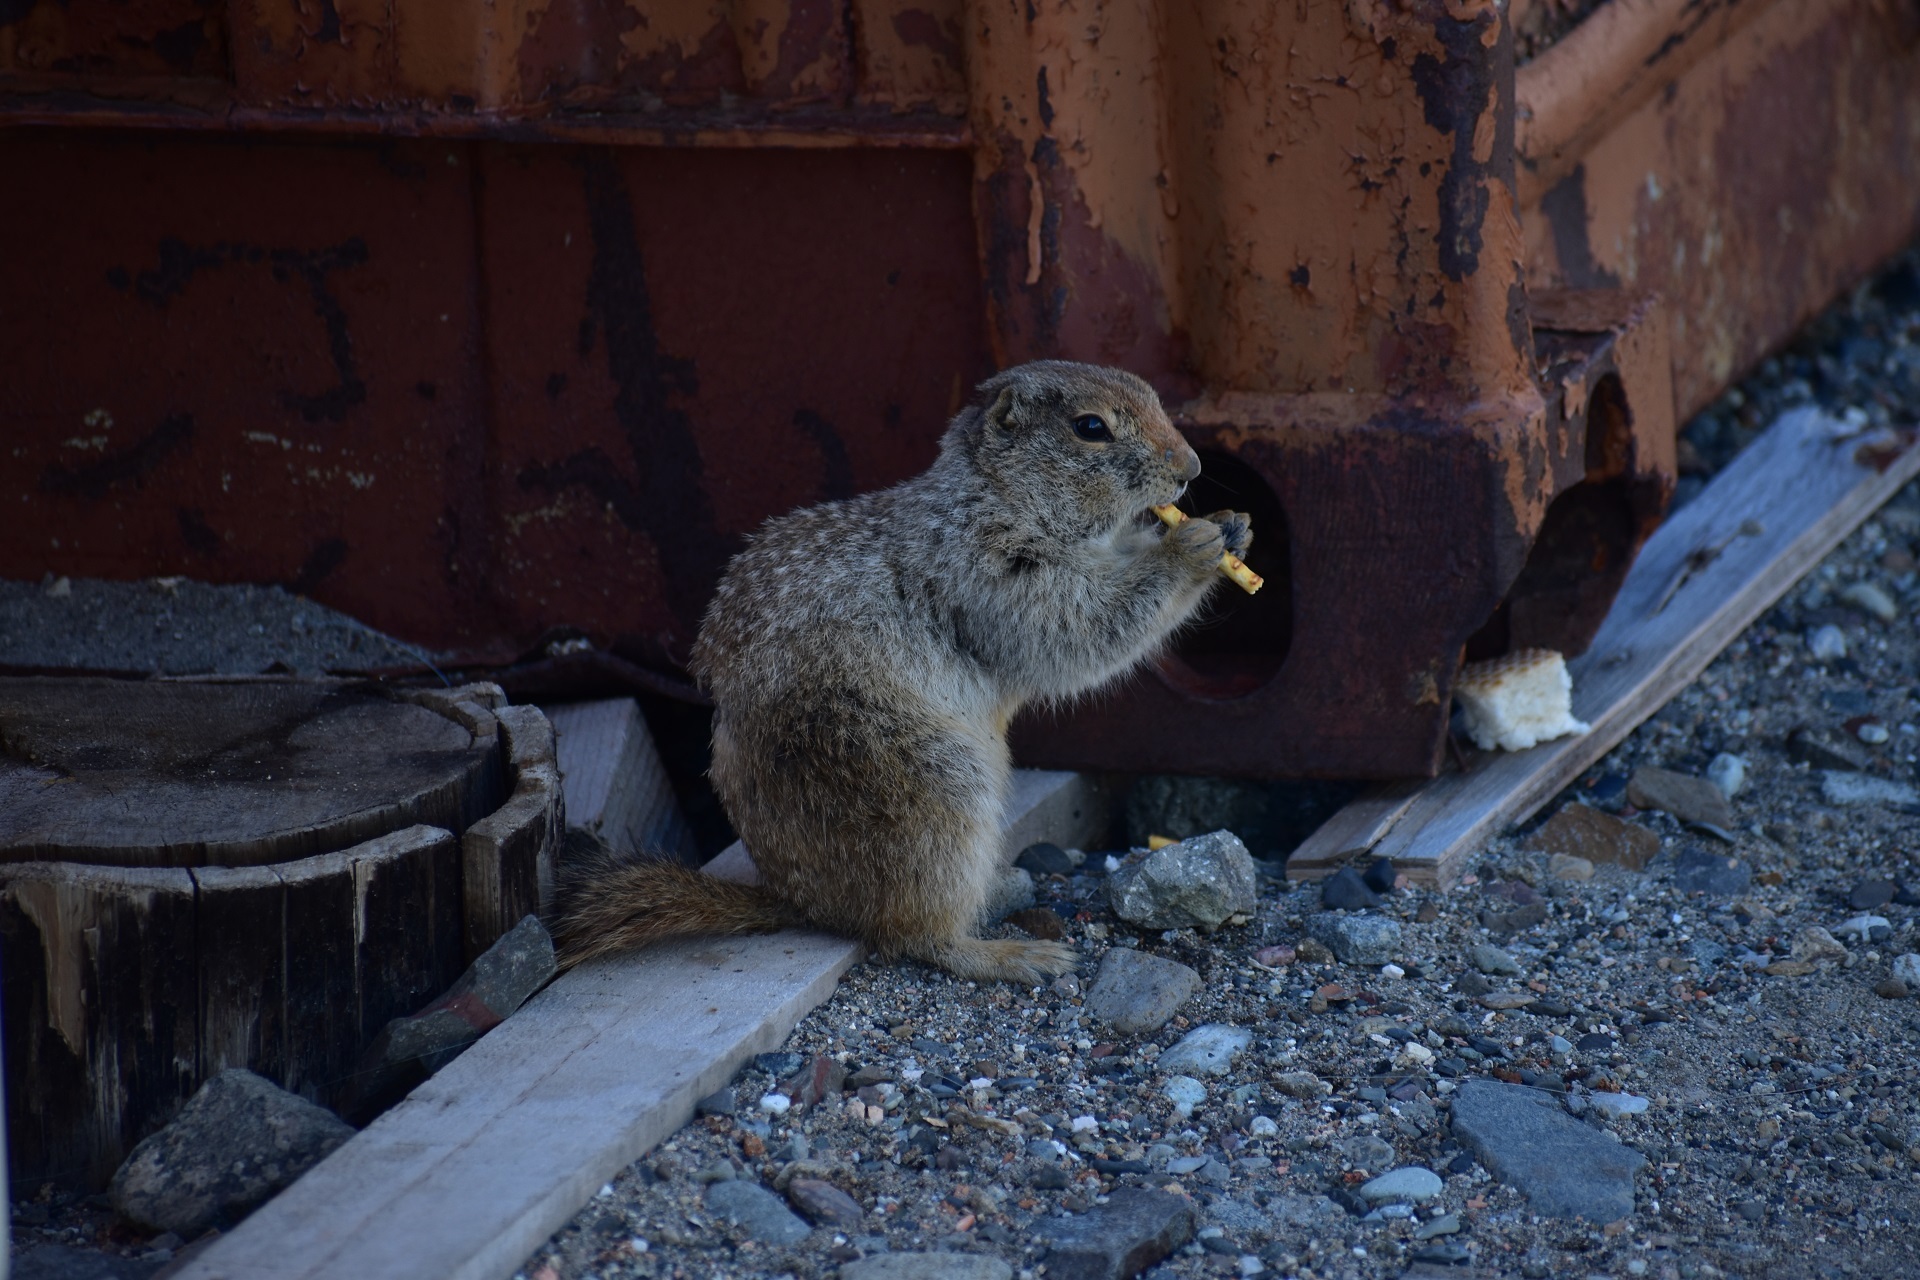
{"points": [[1715, 566], [226, 773], [482, 1163], [616, 786]]}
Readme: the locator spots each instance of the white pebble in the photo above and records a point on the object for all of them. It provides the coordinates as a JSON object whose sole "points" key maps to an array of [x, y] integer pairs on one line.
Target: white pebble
{"points": [[1827, 643], [1907, 969], [1872, 732], [776, 1103], [1392, 971], [1729, 773], [1870, 599], [1084, 1124], [1263, 1127]]}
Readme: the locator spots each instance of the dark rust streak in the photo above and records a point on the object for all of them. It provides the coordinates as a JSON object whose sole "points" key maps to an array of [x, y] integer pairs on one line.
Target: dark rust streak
{"points": [[665, 498]]}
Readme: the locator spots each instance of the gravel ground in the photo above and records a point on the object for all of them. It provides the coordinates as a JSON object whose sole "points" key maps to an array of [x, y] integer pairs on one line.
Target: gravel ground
{"points": [[178, 627], [1781, 1128], [1782, 1125]]}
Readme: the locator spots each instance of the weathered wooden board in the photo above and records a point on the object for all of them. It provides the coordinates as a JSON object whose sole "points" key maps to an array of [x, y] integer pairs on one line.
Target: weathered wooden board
{"points": [[481, 1164], [226, 772], [127, 987], [1713, 568], [90, 952], [507, 857], [616, 786]]}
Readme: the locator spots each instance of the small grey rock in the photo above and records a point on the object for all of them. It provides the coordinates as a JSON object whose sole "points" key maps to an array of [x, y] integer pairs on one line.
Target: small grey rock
{"points": [[1827, 643], [505, 976], [1409, 1185], [1686, 797], [825, 1204], [1356, 939], [1870, 895], [1565, 1168], [1493, 960], [1133, 1230], [1136, 992], [1185, 1093], [1715, 875], [721, 1102], [927, 1266], [1045, 859], [1197, 883], [1012, 890], [1347, 890], [1826, 749], [1907, 969], [757, 1211], [1367, 1152], [238, 1140], [1205, 1051]]}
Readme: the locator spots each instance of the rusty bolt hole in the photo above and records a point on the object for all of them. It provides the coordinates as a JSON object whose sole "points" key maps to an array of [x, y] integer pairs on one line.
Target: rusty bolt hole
{"points": [[1240, 641]]}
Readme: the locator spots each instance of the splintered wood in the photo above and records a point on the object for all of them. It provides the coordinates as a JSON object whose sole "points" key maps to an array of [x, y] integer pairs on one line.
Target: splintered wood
{"points": [[1709, 571]]}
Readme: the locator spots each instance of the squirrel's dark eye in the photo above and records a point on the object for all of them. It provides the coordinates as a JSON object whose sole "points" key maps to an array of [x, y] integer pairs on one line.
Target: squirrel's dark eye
{"points": [[1091, 426]]}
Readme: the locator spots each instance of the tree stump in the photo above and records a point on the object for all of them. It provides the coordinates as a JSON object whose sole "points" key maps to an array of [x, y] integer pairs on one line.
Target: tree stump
{"points": [[204, 874]]}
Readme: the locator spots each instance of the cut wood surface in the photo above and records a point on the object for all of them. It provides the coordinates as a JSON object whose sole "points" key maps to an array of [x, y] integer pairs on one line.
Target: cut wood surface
{"points": [[1710, 570], [616, 786], [226, 772], [482, 1163]]}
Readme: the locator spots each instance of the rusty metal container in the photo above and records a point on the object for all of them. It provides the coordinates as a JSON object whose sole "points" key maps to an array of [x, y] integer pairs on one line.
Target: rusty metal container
{"points": [[480, 322]]}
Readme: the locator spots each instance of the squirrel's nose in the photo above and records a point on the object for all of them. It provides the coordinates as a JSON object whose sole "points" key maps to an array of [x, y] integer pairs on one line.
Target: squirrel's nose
{"points": [[1189, 466]]}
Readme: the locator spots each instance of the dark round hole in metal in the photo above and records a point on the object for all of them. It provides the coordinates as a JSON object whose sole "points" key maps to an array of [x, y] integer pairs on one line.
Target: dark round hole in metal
{"points": [[1238, 642]]}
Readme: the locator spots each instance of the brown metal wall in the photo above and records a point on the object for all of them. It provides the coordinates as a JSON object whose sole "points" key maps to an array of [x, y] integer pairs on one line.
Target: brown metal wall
{"points": [[467, 391], [604, 284]]}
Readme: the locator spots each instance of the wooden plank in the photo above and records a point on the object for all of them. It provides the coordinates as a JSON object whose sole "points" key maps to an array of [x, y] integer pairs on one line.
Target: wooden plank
{"points": [[1351, 834], [616, 786], [482, 1163], [1710, 570]]}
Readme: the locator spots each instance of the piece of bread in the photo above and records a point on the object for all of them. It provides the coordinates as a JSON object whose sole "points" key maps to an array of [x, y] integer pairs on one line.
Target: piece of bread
{"points": [[1517, 701]]}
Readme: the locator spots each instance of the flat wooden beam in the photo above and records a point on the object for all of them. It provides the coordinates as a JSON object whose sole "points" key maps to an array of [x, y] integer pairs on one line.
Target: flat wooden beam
{"points": [[1705, 575], [482, 1163]]}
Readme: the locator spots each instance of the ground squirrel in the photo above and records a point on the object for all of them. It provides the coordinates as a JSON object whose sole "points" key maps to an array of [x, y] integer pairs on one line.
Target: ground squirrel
{"points": [[865, 657]]}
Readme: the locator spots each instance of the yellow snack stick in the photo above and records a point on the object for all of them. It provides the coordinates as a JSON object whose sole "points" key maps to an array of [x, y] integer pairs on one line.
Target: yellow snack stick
{"points": [[1230, 564]]}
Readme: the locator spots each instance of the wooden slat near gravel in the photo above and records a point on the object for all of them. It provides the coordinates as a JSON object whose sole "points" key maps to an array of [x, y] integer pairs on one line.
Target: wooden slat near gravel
{"points": [[483, 1162], [1708, 572]]}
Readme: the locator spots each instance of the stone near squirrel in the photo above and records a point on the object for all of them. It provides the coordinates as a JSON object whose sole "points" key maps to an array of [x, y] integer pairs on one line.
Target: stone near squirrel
{"points": [[866, 656]]}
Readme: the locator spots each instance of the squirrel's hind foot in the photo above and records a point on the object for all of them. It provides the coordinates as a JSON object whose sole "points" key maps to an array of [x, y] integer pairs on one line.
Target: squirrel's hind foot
{"points": [[1002, 960]]}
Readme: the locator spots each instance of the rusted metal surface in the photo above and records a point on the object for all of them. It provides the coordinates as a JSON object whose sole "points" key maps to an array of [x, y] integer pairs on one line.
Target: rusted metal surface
{"points": [[1749, 190], [467, 392], [1428, 316]]}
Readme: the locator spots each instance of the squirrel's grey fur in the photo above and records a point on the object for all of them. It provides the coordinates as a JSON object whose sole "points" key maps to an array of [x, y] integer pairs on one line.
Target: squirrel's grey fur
{"points": [[866, 656]]}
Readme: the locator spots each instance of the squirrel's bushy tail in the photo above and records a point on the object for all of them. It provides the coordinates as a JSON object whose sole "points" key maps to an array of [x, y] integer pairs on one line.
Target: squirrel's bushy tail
{"points": [[603, 906]]}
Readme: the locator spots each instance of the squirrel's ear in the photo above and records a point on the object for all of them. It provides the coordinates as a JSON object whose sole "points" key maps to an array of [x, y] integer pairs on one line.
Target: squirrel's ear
{"points": [[1000, 411]]}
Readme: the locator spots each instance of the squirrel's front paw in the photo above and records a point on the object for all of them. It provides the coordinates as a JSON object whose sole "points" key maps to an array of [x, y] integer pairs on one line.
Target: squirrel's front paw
{"points": [[1199, 541], [1237, 528]]}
